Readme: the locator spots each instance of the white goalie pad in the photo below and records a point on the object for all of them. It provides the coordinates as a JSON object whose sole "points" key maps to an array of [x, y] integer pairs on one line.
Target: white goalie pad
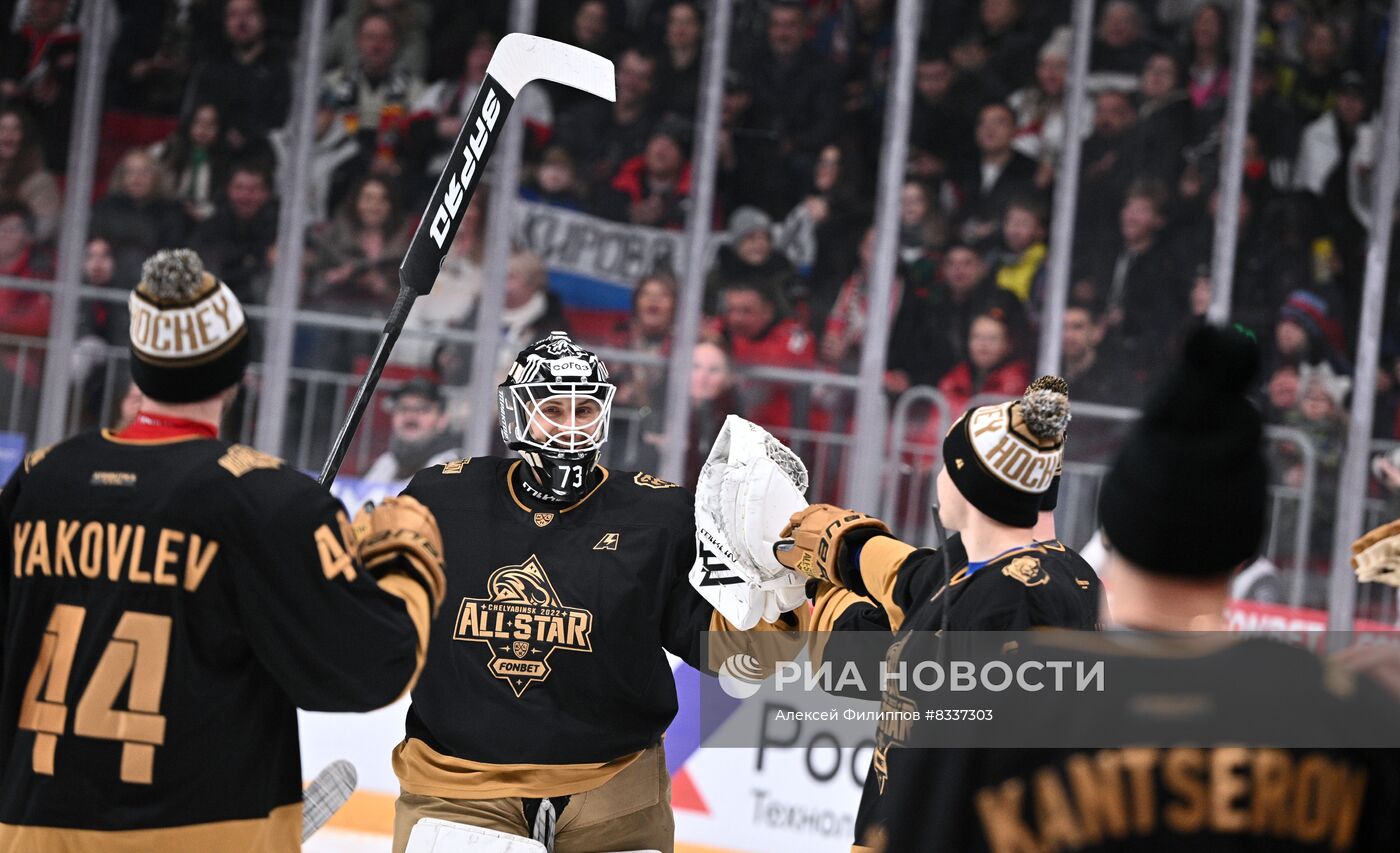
{"points": [[748, 488], [431, 835]]}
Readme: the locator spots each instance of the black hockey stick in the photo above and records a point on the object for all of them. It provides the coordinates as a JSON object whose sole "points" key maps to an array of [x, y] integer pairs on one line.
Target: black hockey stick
{"points": [[518, 60]]}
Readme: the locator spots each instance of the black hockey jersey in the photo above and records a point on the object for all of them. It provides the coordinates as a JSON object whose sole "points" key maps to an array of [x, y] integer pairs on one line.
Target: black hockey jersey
{"points": [[1042, 585], [547, 673], [1165, 787], [167, 605]]}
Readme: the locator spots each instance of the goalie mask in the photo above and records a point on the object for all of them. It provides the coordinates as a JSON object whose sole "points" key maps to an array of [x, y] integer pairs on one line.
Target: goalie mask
{"points": [[555, 406]]}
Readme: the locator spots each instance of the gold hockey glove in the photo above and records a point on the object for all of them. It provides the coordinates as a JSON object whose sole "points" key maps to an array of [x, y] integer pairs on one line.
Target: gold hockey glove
{"points": [[1376, 556], [402, 527], [816, 533]]}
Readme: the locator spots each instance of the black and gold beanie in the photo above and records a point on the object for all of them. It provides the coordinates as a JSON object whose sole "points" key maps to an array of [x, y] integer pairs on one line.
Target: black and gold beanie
{"points": [[1187, 493], [189, 338], [1005, 458]]}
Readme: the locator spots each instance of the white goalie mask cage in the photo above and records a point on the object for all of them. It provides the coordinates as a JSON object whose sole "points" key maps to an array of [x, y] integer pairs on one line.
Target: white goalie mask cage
{"points": [[545, 389]]}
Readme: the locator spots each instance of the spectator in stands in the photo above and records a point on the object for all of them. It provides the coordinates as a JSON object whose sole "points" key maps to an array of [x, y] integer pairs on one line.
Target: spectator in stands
{"points": [[38, 71], [856, 38], [1307, 332], [1109, 159], [419, 437], [455, 292], [1272, 119], [22, 257], [966, 291], [1207, 63], [197, 159], [156, 45], [647, 330], [1093, 377], [1143, 290], [678, 74], [751, 171], [940, 124], [1040, 107], [1321, 416], [907, 359], [748, 258], [821, 235], [1019, 260], [591, 28], [1121, 45], [237, 242], [375, 95], [250, 79], [757, 332], [23, 178], [793, 93], [1328, 141], [101, 325], [449, 100], [1164, 120], [555, 182], [139, 214], [531, 312], [411, 18], [923, 231], [1311, 85], [991, 366], [712, 399], [335, 158], [653, 188], [357, 254], [1281, 393], [1000, 174], [1009, 41], [601, 136]]}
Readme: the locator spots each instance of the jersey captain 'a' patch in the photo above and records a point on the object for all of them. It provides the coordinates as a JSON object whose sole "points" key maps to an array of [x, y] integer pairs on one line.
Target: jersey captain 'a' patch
{"points": [[523, 622]]}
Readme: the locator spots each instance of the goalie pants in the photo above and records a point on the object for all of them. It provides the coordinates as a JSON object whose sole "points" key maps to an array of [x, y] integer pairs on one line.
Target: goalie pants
{"points": [[631, 812]]}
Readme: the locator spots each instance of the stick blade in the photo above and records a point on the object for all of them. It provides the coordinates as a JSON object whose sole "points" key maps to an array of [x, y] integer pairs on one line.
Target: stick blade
{"points": [[521, 58]]}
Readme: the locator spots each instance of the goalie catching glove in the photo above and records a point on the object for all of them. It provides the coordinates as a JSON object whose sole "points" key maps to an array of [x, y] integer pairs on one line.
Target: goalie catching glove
{"points": [[1376, 556], [814, 538], [400, 534], [749, 486]]}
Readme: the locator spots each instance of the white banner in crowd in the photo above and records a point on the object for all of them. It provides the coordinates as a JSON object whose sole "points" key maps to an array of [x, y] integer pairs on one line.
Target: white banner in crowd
{"points": [[579, 244]]}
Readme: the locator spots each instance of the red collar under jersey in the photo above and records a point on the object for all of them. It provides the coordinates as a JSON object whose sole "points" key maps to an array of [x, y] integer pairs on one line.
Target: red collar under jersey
{"points": [[146, 426]]}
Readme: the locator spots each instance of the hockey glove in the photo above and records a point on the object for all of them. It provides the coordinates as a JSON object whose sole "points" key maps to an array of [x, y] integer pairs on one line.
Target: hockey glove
{"points": [[817, 534], [1376, 556], [402, 535]]}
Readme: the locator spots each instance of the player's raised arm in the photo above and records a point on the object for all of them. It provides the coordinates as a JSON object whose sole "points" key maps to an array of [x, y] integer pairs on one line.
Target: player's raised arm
{"points": [[324, 602]]}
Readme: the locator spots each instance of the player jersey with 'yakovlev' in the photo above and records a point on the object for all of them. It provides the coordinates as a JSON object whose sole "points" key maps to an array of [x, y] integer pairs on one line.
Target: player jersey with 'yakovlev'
{"points": [[167, 605], [547, 671]]}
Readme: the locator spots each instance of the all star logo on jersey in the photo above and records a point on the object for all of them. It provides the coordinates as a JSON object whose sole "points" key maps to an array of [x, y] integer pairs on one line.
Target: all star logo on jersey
{"points": [[607, 543], [523, 622]]}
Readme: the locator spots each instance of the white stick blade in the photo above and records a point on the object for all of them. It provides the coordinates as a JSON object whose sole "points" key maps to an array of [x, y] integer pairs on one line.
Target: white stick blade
{"points": [[520, 58]]}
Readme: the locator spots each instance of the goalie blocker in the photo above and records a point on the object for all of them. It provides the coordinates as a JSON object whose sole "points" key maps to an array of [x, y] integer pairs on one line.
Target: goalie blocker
{"points": [[170, 599]]}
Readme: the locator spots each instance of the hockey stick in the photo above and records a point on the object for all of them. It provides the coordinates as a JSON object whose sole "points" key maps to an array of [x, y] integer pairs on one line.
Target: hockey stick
{"points": [[326, 794], [518, 60]]}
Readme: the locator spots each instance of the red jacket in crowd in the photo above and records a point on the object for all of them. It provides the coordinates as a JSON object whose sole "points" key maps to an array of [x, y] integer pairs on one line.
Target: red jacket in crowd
{"points": [[1009, 379]]}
